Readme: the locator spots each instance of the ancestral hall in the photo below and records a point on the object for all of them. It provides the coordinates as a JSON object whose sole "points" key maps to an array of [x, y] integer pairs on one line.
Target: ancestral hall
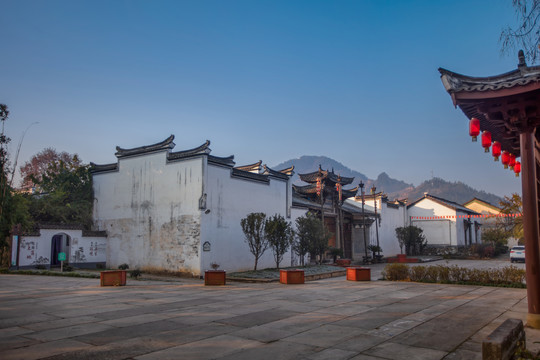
{"points": [[506, 108], [180, 211], [327, 197]]}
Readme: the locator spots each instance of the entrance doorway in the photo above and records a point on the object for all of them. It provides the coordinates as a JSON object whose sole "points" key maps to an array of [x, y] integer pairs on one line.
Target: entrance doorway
{"points": [[59, 243]]}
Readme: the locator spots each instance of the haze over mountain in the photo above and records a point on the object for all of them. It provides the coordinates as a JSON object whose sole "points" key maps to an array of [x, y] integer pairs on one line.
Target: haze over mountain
{"points": [[396, 189]]}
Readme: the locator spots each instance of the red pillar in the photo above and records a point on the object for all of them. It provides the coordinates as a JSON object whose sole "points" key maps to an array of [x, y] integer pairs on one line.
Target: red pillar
{"points": [[531, 227]]}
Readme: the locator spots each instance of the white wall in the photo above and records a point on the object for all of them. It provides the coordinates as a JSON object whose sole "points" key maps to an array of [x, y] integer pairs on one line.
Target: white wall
{"points": [[82, 251], [438, 231], [150, 210], [391, 218], [449, 231], [230, 199]]}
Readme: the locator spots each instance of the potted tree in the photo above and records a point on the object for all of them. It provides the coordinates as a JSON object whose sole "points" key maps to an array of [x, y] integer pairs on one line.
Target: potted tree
{"points": [[375, 250], [215, 276]]}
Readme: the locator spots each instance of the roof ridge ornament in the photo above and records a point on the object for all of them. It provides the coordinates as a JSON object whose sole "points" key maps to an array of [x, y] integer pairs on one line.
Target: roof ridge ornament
{"points": [[166, 144], [521, 58]]}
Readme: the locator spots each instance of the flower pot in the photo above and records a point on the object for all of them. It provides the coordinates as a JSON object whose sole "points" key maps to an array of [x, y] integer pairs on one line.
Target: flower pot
{"points": [[113, 278], [215, 277], [356, 273], [401, 258], [291, 276], [343, 262]]}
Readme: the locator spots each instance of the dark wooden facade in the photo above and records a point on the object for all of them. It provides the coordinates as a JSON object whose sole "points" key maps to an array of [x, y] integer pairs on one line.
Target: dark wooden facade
{"points": [[508, 105], [326, 189]]}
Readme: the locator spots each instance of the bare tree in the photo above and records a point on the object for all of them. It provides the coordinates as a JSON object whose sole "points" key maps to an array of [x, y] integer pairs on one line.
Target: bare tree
{"points": [[526, 35], [253, 228]]}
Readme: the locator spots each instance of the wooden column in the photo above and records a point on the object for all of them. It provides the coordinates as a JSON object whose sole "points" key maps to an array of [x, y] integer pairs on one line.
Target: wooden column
{"points": [[530, 226]]}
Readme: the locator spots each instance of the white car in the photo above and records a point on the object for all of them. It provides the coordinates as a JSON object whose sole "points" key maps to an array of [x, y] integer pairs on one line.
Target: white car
{"points": [[517, 253]]}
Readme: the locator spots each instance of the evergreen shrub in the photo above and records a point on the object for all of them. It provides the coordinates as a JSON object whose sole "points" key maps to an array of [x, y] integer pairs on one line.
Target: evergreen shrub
{"points": [[396, 272]]}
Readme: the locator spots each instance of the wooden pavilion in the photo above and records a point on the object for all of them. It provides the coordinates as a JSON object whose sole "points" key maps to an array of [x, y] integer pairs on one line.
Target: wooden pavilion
{"points": [[326, 189], [508, 106]]}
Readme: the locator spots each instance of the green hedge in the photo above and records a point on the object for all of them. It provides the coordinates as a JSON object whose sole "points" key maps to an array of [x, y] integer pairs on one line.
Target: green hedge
{"points": [[509, 276]]}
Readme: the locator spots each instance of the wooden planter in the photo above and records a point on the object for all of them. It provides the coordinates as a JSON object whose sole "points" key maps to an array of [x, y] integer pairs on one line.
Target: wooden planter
{"points": [[401, 258], [215, 277], [113, 278], [356, 273], [343, 262], [291, 276]]}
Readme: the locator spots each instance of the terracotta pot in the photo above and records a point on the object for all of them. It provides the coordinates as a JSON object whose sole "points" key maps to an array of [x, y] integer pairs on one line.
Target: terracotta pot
{"points": [[113, 278], [291, 276], [215, 277], [356, 273]]}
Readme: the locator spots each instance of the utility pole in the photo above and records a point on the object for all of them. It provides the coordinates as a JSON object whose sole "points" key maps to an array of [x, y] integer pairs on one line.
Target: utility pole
{"points": [[364, 221]]}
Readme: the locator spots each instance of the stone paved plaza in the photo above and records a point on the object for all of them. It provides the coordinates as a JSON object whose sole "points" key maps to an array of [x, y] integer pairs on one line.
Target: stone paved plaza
{"points": [[45, 317]]}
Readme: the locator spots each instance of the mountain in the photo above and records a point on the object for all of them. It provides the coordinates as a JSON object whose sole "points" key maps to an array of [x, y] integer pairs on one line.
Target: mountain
{"points": [[308, 163], [454, 191], [396, 189]]}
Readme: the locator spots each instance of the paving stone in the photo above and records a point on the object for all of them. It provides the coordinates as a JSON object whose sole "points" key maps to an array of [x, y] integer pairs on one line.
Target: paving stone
{"points": [[304, 322], [265, 333], [370, 319], [463, 354], [258, 318], [42, 350], [395, 351], [365, 357], [329, 318], [447, 331], [346, 309], [14, 342], [204, 349], [279, 350], [25, 320], [12, 331], [68, 332], [325, 336], [135, 320], [361, 342], [115, 351], [333, 354], [55, 324], [128, 332]]}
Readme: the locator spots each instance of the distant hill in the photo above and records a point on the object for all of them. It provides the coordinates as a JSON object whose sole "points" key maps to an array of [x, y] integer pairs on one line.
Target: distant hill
{"points": [[454, 191], [308, 163], [396, 189]]}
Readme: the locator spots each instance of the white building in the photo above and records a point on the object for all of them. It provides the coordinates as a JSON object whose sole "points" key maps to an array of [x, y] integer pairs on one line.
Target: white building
{"points": [[445, 223], [181, 211], [390, 215], [82, 249]]}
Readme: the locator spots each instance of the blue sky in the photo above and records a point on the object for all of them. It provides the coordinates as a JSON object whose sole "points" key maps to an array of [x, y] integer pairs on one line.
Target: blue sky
{"points": [[353, 80]]}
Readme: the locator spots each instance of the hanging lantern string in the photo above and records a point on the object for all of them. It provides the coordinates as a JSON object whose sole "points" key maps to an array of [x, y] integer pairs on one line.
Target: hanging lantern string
{"points": [[464, 216]]}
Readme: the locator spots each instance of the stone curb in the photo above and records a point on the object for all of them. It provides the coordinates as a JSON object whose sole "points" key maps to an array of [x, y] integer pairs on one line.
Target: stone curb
{"points": [[306, 277]]}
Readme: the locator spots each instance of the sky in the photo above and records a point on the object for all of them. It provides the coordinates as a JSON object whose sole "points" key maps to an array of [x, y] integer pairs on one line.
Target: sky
{"points": [[356, 81]]}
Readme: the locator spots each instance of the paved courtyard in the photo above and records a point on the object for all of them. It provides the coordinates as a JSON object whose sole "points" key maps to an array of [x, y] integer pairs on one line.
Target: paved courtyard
{"points": [[73, 318]]}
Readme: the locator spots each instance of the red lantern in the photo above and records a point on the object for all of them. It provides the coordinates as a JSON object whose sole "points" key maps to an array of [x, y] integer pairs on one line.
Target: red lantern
{"points": [[505, 158], [486, 140], [318, 186], [496, 150], [512, 161], [517, 168], [474, 128]]}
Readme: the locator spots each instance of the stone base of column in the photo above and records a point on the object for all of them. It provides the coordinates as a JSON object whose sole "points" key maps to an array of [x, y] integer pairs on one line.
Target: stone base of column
{"points": [[533, 320]]}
